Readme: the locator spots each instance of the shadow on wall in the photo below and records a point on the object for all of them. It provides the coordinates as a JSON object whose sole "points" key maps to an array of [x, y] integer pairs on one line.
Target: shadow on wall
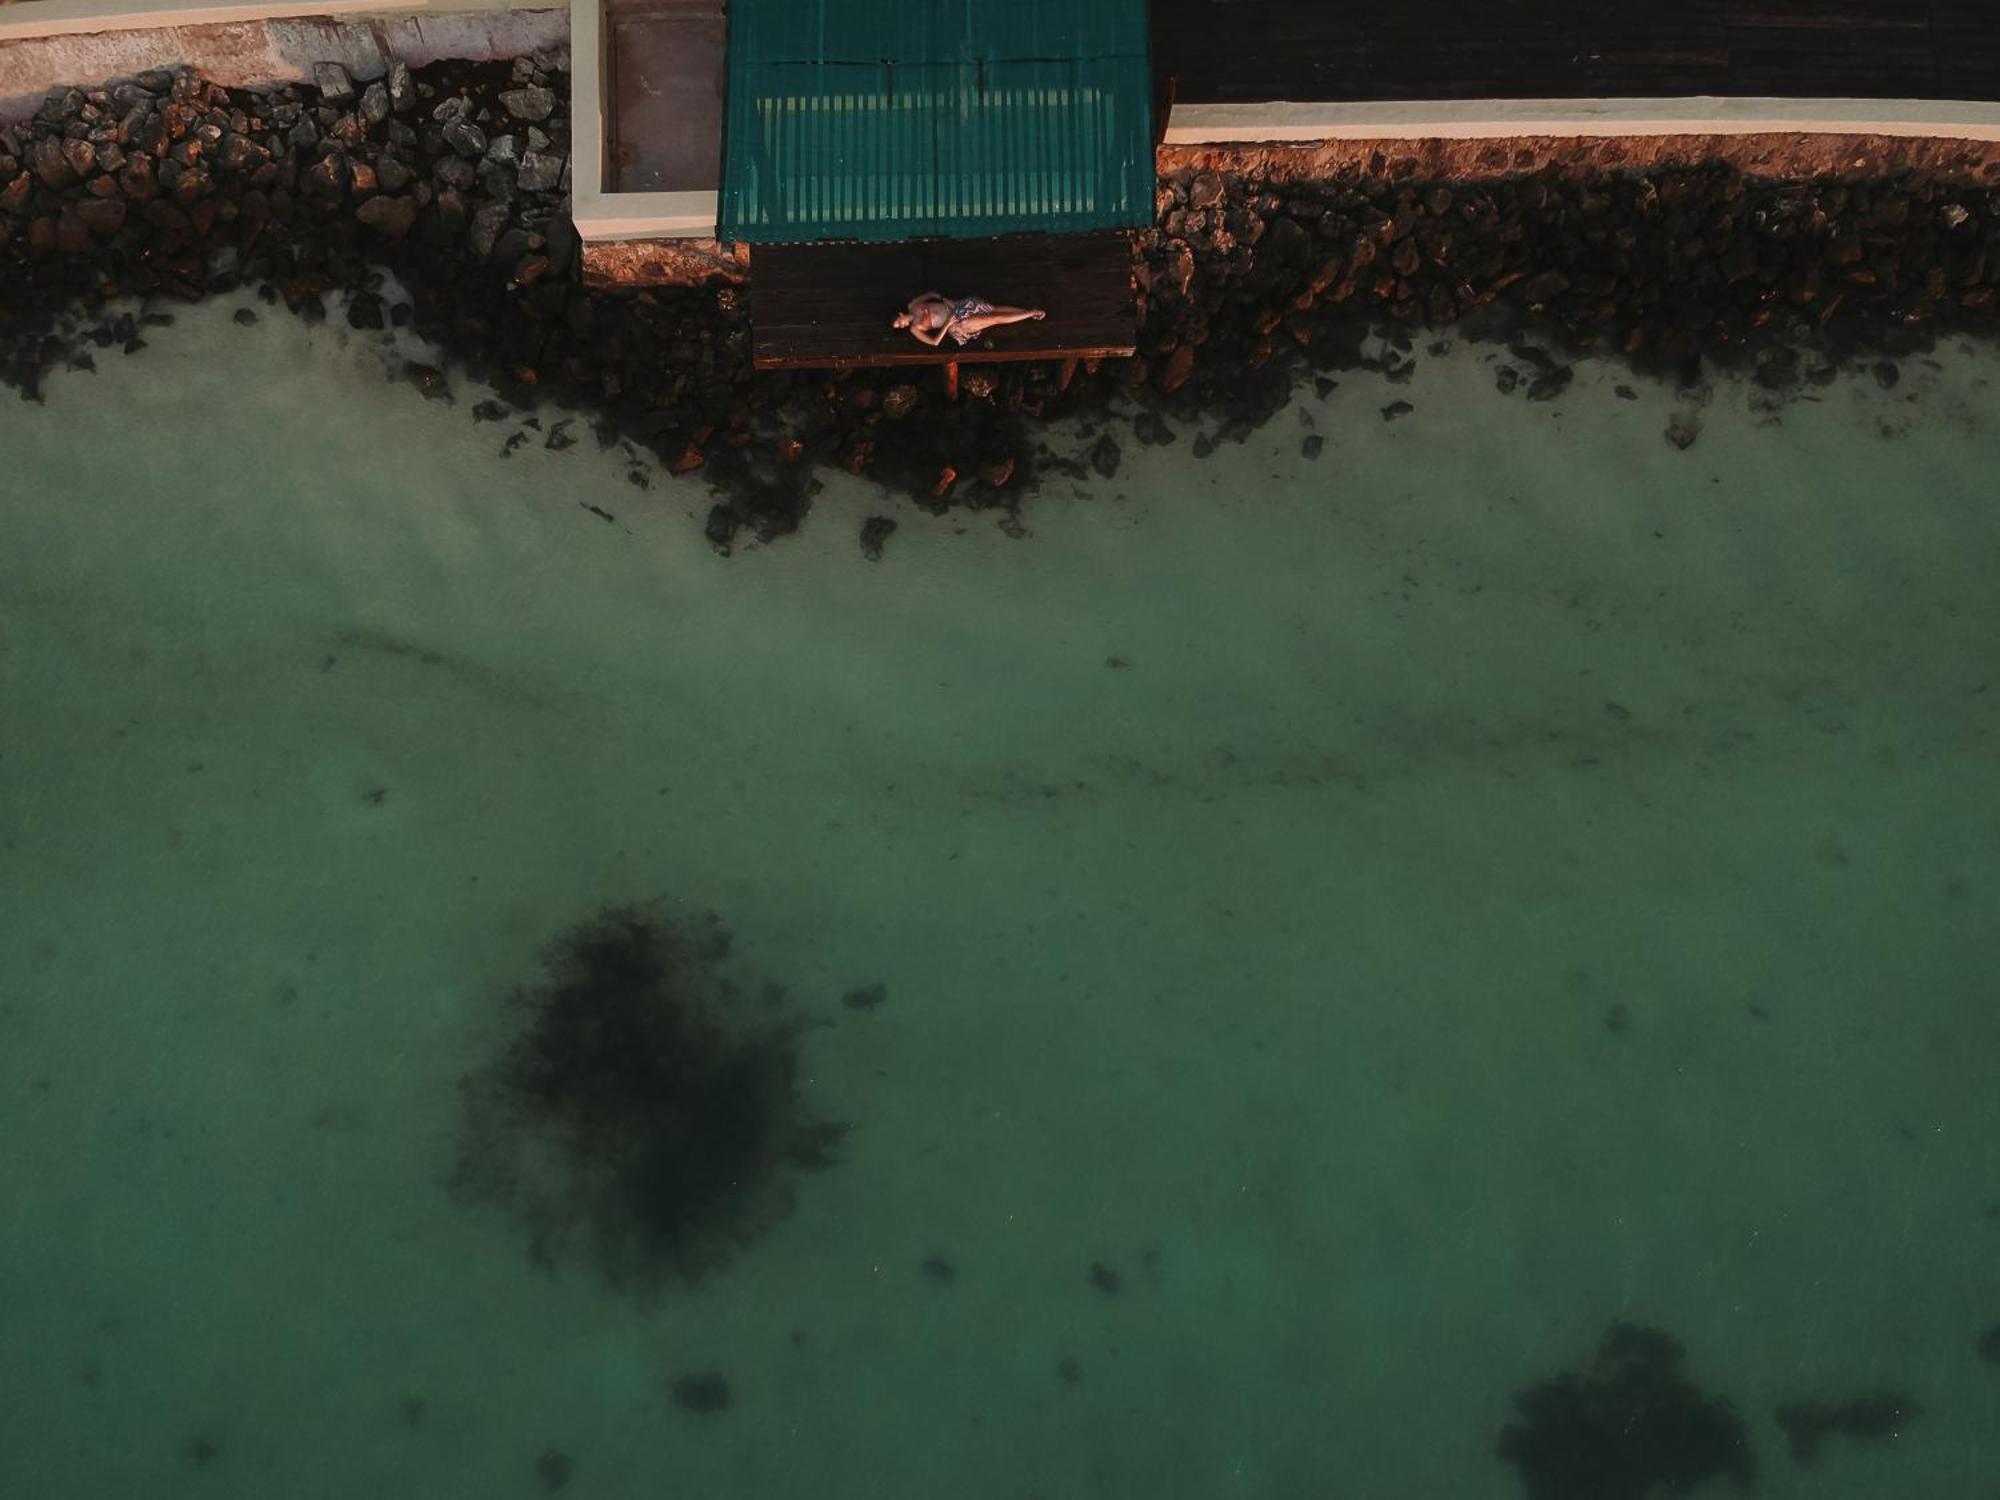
{"points": [[259, 54]]}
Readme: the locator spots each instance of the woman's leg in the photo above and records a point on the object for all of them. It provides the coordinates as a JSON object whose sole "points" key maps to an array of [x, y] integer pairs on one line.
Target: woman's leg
{"points": [[999, 317]]}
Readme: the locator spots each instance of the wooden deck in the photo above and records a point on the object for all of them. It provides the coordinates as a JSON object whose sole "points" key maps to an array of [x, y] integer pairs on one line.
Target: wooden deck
{"points": [[830, 306], [1243, 51]]}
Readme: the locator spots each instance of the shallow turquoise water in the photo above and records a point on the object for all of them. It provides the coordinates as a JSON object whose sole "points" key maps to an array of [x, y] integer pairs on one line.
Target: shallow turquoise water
{"points": [[1402, 912]]}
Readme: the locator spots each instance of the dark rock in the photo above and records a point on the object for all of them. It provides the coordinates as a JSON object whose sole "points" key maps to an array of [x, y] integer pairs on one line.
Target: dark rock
{"points": [[724, 521], [554, 1469], [489, 410], [1550, 384], [484, 234], [392, 175], [427, 378], [1682, 433], [1629, 1428], [1396, 409], [81, 156], [1506, 379], [457, 172], [535, 104], [1624, 393], [874, 532], [1105, 1279], [245, 315], [391, 216], [541, 172], [1310, 445], [466, 138], [47, 161], [1104, 456], [1205, 191], [1203, 446], [1151, 429], [102, 216], [333, 82], [374, 106], [14, 196], [705, 1392], [1877, 1418], [1887, 374], [513, 244]]}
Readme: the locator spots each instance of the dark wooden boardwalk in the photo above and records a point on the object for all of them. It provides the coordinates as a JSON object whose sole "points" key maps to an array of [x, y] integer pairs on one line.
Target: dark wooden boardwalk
{"points": [[1240, 51], [830, 306]]}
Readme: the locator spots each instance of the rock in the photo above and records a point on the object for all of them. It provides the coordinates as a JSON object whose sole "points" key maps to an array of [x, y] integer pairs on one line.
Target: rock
{"points": [[46, 161], [485, 230], [102, 216], [455, 172], [1151, 429], [998, 472], [1538, 289], [1104, 456], [489, 410], [1887, 375], [1310, 446], [388, 215], [374, 105], [1549, 385], [1205, 191], [81, 156], [303, 136], [427, 378], [245, 316], [501, 151], [532, 104], [466, 138], [1682, 433], [690, 459], [724, 521], [540, 172], [1505, 379], [332, 81], [512, 245], [1180, 365], [1396, 409], [898, 401], [392, 174], [14, 196], [874, 532], [401, 95], [529, 269]]}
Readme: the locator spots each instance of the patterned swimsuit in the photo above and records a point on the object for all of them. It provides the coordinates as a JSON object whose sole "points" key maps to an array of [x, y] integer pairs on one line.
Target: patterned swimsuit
{"points": [[966, 307]]}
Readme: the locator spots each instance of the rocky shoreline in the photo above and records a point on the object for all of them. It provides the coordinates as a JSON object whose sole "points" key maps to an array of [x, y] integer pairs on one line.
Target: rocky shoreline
{"points": [[453, 181]]}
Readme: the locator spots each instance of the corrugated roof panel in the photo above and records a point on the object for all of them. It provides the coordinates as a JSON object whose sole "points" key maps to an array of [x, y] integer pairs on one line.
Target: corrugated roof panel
{"points": [[894, 119]]}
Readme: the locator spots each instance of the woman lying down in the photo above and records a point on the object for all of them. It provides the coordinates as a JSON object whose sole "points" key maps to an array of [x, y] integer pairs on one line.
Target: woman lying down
{"points": [[930, 317]]}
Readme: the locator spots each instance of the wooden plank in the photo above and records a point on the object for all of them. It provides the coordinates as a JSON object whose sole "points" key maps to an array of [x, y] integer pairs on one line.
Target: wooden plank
{"points": [[832, 306]]}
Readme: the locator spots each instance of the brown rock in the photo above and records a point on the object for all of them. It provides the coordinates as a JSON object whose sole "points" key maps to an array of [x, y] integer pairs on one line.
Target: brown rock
{"points": [[46, 161], [898, 401], [1179, 366], [947, 476], [102, 216], [390, 216], [690, 459], [997, 474], [14, 196], [81, 156], [1205, 191], [72, 234]]}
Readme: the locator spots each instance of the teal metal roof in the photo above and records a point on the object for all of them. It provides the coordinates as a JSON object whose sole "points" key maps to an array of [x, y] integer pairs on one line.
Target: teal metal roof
{"points": [[896, 119]]}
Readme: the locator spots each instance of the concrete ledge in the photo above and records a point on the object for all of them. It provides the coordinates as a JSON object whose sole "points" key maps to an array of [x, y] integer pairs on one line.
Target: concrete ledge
{"points": [[1480, 119], [33, 18], [263, 53]]}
